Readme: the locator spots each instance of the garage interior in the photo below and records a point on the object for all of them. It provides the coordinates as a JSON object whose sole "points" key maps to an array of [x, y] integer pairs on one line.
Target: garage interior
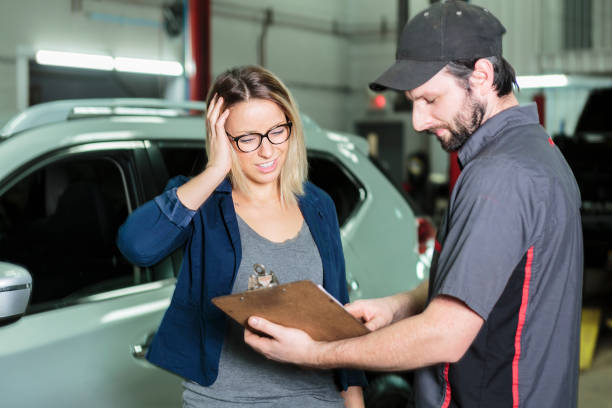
{"points": [[327, 52]]}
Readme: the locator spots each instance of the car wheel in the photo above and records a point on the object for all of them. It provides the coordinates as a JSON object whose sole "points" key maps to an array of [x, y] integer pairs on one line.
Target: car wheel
{"points": [[389, 391]]}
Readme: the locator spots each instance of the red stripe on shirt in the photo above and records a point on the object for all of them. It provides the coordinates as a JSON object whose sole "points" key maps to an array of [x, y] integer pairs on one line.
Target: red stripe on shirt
{"points": [[550, 141], [437, 246], [519, 330], [447, 398]]}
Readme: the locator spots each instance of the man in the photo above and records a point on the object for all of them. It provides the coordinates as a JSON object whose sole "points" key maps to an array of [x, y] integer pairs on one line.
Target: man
{"points": [[499, 324]]}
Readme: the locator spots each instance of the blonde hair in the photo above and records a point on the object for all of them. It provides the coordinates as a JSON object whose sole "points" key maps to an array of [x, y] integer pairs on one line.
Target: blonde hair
{"points": [[241, 84]]}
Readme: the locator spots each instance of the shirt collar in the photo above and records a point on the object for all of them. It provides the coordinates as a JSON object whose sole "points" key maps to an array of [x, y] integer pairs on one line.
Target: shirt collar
{"points": [[494, 127]]}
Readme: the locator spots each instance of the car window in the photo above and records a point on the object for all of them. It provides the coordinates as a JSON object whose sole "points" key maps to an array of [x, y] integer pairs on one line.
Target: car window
{"points": [[183, 160], [330, 175], [60, 222], [416, 208], [324, 171], [187, 159]]}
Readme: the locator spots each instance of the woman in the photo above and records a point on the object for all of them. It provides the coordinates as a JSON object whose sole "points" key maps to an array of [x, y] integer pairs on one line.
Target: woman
{"points": [[252, 204]]}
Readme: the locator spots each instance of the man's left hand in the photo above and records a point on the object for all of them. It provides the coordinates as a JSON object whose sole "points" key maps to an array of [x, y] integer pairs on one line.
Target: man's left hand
{"points": [[285, 344]]}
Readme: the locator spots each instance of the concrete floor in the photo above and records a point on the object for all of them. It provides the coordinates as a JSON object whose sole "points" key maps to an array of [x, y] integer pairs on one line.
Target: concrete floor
{"points": [[595, 387]]}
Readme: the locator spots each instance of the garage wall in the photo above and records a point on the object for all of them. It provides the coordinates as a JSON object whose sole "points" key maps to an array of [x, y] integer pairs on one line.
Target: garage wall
{"points": [[323, 69], [311, 59], [300, 48], [533, 44], [533, 27], [326, 51], [97, 27], [8, 90]]}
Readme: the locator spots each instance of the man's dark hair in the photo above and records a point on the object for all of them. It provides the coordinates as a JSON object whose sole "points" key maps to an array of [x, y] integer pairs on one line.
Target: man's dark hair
{"points": [[503, 79]]}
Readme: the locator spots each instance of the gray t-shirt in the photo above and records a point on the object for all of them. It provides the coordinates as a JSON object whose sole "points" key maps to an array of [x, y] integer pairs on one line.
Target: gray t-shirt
{"points": [[246, 377]]}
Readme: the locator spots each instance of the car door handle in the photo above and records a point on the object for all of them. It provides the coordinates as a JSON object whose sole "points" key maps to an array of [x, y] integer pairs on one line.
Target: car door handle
{"points": [[139, 351]]}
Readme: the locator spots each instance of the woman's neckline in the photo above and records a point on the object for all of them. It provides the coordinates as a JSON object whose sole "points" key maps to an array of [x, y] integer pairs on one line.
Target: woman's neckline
{"points": [[287, 241]]}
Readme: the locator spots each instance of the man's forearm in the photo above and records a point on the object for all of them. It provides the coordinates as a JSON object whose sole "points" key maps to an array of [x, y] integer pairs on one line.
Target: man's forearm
{"points": [[410, 303], [404, 345], [442, 333]]}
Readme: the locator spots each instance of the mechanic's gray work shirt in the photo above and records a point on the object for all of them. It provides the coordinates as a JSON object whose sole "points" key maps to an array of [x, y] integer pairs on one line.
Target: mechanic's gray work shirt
{"points": [[510, 248]]}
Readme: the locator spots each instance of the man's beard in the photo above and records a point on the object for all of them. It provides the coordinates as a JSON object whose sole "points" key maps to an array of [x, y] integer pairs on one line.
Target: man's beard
{"points": [[465, 123]]}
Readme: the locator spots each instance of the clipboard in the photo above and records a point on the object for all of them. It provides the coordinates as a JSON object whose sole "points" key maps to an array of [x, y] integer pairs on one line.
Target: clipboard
{"points": [[301, 304]]}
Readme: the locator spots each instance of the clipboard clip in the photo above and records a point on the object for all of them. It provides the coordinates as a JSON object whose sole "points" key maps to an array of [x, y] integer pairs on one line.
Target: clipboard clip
{"points": [[262, 279]]}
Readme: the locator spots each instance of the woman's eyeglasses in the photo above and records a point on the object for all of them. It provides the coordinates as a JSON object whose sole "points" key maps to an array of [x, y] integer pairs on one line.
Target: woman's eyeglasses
{"points": [[250, 142]]}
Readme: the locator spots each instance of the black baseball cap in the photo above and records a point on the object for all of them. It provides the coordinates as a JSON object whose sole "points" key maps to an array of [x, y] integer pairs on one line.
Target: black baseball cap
{"points": [[446, 31]]}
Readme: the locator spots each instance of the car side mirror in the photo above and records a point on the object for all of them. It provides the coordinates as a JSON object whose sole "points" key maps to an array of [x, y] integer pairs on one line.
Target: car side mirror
{"points": [[15, 290]]}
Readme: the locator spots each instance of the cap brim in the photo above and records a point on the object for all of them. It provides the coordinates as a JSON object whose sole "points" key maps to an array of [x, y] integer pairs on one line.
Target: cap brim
{"points": [[405, 75]]}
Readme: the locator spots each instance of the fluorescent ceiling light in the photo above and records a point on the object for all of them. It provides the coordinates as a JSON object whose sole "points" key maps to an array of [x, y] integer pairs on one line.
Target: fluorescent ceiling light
{"points": [[541, 81], [108, 63], [146, 66], [75, 60]]}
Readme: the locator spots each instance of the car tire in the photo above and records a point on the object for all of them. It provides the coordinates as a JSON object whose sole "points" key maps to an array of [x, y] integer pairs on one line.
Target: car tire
{"points": [[389, 391]]}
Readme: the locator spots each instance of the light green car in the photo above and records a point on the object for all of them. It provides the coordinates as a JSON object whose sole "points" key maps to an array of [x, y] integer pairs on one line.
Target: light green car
{"points": [[70, 173]]}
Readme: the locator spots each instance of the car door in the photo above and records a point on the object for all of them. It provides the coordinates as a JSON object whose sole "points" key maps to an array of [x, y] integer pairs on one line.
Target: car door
{"points": [[92, 313]]}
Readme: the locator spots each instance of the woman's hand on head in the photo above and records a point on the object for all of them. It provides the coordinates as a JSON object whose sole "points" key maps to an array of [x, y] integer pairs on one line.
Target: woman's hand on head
{"points": [[220, 154], [196, 191]]}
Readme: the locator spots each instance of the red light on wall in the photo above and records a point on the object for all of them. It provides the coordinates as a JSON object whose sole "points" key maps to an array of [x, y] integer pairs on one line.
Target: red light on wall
{"points": [[379, 101]]}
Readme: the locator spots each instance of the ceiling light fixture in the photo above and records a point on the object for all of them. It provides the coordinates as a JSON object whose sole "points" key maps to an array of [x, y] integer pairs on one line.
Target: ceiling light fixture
{"points": [[75, 60], [108, 63], [542, 81], [147, 66]]}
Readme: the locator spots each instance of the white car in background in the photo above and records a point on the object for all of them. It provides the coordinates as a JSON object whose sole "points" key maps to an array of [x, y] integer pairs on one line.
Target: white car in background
{"points": [[70, 173]]}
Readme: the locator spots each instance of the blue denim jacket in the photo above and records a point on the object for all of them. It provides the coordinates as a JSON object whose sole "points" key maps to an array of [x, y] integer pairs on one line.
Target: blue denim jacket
{"points": [[189, 339]]}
